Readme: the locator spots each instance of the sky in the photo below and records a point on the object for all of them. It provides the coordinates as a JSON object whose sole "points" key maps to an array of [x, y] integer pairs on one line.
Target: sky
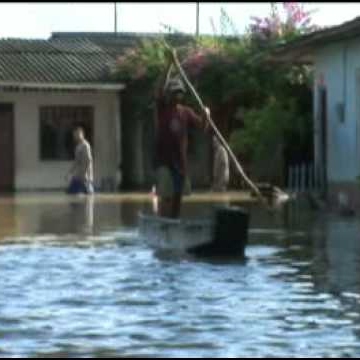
{"points": [[39, 20]]}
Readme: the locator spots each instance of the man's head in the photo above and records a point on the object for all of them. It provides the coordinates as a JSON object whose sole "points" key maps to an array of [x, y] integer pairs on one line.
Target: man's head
{"points": [[79, 134], [175, 91]]}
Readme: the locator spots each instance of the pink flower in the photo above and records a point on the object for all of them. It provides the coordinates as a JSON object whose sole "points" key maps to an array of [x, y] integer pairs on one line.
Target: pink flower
{"points": [[290, 6]]}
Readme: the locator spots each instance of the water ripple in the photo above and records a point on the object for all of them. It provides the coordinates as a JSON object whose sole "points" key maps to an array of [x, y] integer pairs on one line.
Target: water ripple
{"points": [[109, 295]]}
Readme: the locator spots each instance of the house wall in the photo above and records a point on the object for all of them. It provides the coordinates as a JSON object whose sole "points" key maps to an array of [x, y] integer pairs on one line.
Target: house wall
{"points": [[33, 174], [339, 64]]}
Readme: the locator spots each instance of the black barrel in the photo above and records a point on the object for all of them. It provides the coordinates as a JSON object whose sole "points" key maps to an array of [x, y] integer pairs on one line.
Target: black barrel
{"points": [[230, 234]]}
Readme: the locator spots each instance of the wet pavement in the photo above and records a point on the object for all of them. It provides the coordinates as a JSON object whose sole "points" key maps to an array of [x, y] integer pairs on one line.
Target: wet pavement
{"points": [[76, 280]]}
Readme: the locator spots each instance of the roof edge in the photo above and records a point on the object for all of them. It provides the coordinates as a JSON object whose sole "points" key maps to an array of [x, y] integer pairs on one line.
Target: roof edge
{"points": [[308, 42], [139, 35], [64, 86]]}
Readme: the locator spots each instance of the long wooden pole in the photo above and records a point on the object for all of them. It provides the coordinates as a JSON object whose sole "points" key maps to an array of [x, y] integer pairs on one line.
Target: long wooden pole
{"points": [[217, 132]]}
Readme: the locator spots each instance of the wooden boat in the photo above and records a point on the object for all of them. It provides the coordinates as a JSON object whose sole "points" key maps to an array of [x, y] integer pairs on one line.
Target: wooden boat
{"points": [[223, 234], [174, 234]]}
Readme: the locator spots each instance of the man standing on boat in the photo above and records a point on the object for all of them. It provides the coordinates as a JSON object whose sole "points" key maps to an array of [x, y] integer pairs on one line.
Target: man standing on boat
{"points": [[172, 122]]}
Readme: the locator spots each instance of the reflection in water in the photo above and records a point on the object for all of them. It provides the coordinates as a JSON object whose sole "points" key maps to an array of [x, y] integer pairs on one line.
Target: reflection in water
{"points": [[82, 213], [298, 293], [75, 217], [339, 248], [7, 218]]}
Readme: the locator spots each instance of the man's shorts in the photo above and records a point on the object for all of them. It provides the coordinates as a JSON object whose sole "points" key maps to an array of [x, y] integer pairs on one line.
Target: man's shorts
{"points": [[78, 186], [170, 182]]}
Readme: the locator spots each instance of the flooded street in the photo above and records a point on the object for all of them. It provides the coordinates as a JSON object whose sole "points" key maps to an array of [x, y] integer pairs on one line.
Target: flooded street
{"points": [[75, 280]]}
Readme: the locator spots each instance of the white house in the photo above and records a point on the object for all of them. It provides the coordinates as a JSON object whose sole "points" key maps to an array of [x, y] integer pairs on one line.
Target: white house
{"points": [[46, 88], [335, 54]]}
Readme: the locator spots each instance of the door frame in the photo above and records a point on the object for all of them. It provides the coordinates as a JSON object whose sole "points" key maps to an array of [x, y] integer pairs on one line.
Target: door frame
{"points": [[10, 105], [322, 140]]}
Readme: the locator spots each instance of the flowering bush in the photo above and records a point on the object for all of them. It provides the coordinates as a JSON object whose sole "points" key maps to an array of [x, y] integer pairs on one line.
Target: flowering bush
{"points": [[296, 21], [143, 61], [198, 59], [297, 16]]}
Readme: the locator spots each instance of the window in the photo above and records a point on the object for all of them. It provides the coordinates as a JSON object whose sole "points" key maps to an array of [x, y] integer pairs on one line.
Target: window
{"points": [[56, 130]]}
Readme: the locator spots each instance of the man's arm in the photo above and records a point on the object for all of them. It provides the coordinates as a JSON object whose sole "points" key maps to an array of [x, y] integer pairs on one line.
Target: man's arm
{"points": [[198, 121]]}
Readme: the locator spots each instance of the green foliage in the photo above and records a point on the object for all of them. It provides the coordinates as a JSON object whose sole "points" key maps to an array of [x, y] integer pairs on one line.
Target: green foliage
{"points": [[277, 122], [139, 69]]}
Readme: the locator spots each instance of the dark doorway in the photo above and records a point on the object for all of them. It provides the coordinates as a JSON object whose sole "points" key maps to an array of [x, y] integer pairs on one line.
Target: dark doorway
{"points": [[323, 139], [6, 147]]}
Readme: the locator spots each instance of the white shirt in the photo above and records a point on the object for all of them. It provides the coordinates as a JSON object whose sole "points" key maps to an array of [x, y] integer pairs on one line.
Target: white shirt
{"points": [[83, 167]]}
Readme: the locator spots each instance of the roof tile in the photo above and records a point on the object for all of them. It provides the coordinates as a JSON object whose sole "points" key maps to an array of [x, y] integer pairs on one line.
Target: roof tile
{"points": [[69, 57]]}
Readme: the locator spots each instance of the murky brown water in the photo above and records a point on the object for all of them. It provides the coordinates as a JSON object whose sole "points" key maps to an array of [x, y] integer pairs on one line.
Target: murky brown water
{"points": [[76, 281]]}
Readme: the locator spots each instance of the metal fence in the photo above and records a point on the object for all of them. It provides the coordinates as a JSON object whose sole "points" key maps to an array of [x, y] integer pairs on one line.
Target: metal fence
{"points": [[303, 177]]}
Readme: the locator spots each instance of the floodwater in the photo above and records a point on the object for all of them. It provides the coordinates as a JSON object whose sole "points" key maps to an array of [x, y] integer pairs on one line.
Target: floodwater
{"points": [[75, 281]]}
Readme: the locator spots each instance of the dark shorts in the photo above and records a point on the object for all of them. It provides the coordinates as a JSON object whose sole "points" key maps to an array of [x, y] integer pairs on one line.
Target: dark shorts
{"points": [[78, 186], [170, 182], [178, 181]]}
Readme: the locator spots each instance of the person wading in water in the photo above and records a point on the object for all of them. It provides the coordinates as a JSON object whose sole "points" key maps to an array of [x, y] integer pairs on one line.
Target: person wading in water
{"points": [[220, 167], [81, 172]]}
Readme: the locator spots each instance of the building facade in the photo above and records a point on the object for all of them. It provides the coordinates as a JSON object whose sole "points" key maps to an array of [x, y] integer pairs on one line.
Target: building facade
{"points": [[335, 55], [40, 123], [47, 87]]}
